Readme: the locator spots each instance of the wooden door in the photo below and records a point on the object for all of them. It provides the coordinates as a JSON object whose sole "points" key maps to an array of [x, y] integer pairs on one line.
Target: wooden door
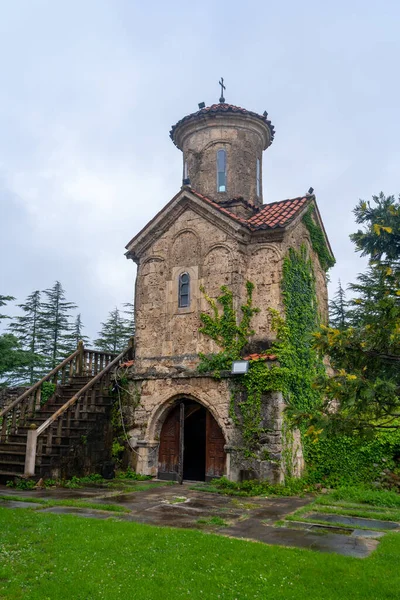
{"points": [[215, 454], [168, 454]]}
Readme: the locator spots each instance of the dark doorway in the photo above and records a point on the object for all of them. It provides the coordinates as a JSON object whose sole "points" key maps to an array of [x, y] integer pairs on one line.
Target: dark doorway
{"points": [[194, 447], [191, 444]]}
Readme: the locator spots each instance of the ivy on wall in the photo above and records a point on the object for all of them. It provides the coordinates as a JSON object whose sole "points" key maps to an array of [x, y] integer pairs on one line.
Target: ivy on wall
{"points": [[297, 363], [333, 461], [224, 329], [318, 240]]}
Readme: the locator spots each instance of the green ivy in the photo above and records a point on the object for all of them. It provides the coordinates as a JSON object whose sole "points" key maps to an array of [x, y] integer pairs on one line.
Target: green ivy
{"points": [[318, 240], [224, 329], [297, 364]]}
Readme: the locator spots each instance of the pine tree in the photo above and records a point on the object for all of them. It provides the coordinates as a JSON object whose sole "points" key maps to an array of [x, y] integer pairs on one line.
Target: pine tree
{"points": [[77, 334], [55, 325], [27, 330], [365, 385], [130, 318], [114, 334], [3, 302], [338, 307]]}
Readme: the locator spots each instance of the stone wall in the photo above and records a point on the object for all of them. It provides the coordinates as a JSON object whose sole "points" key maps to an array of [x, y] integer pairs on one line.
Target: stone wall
{"points": [[242, 137], [152, 397]]}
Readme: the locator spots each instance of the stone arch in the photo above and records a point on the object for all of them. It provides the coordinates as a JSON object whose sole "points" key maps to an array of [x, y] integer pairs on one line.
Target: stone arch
{"points": [[265, 271], [160, 412], [185, 250], [152, 274], [217, 269]]}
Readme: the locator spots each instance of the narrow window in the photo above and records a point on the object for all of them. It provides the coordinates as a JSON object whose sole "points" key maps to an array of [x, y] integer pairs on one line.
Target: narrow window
{"points": [[183, 291], [258, 176], [186, 171], [221, 171]]}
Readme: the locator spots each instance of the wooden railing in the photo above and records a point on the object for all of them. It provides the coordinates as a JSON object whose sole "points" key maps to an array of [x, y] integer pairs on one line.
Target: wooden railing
{"points": [[41, 441], [83, 362]]}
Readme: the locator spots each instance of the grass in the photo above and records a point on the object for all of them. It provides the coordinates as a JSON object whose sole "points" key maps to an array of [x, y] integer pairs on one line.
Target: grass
{"points": [[388, 514], [52, 557], [213, 521], [67, 502], [363, 495], [292, 487], [357, 501]]}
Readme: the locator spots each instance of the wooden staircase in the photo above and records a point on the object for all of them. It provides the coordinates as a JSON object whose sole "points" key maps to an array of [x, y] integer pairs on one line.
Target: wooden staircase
{"points": [[47, 439]]}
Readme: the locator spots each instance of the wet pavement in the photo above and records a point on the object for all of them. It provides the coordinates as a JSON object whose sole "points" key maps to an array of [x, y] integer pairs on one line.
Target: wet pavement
{"points": [[353, 521], [247, 518]]}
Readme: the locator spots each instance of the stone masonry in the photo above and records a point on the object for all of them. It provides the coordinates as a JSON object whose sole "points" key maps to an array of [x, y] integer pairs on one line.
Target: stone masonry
{"points": [[216, 241]]}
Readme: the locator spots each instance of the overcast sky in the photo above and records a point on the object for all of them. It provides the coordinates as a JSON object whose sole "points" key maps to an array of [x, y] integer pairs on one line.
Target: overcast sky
{"points": [[90, 88]]}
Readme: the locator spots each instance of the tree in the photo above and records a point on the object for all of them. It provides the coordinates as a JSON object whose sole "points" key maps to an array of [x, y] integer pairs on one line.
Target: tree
{"points": [[12, 358], [3, 302], [55, 325], [77, 333], [114, 334], [364, 392], [338, 308], [130, 319], [26, 329]]}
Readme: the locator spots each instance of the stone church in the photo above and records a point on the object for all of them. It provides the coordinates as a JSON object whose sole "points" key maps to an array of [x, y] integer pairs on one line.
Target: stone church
{"points": [[215, 231]]}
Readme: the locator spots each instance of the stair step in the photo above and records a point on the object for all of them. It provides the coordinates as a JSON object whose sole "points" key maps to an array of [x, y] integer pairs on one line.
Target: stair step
{"points": [[10, 473]]}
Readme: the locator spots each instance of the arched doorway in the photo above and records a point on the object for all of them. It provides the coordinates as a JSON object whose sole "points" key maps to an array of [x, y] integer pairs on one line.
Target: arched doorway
{"points": [[191, 444]]}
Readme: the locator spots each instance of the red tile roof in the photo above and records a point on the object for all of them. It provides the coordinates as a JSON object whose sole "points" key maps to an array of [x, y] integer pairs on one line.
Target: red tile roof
{"points": [[222, 108], [261, 357], [276, 214]]}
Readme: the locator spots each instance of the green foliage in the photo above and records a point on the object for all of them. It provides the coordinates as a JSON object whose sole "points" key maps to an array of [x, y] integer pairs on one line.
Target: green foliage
{"points": [[114, 334], [338, 309], [363, 494], [225, 330], [26, 328], [12, 358], [365, 386], [318, 240], [297, 364], [47, 391], [55, 327], [3, 302], [380, 238], [294, 350], [76, 334], [344, 460], [291, 487], [21, 484], [130, 474]]}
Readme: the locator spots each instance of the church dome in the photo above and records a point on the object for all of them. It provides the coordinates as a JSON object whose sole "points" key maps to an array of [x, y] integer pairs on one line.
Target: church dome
{"points": [[222, 147]]}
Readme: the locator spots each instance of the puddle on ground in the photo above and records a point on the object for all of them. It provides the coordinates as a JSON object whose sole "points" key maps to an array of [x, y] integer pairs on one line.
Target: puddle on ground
{"points": [[353, 521], [328, 529]]}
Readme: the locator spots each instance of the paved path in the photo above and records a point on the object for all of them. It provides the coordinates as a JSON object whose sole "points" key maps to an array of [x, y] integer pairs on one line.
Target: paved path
{"points": [[179, 506]]}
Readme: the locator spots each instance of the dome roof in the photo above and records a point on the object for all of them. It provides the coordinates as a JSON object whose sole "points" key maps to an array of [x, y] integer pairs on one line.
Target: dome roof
{"points": [[222, 108]]}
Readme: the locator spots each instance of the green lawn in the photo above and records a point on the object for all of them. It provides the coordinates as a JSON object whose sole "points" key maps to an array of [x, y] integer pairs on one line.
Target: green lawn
{"points": [[51, 557]]}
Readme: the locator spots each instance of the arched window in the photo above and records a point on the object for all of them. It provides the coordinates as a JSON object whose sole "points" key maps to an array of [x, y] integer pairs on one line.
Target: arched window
{"points": [[258, 176], [221, 171], [183, 290]]}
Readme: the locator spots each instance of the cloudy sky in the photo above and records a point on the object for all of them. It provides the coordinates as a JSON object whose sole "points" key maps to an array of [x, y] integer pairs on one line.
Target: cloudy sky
{"points": [[90, 88]]}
